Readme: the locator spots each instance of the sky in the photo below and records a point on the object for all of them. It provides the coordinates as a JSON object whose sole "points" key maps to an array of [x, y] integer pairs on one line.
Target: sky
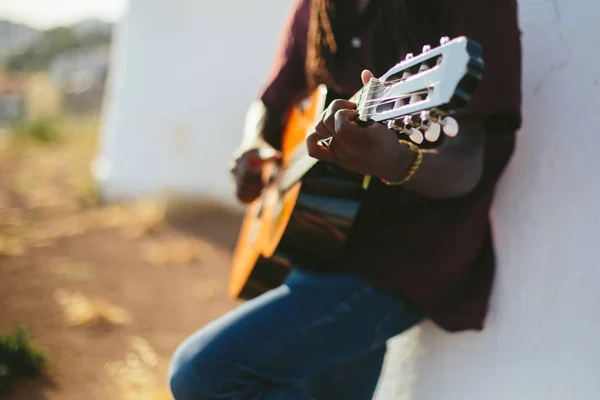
{"points": [[50, 13]]}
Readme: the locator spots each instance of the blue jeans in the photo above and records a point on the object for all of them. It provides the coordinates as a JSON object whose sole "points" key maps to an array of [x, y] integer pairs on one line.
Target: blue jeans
{"points": [[319, 337]]}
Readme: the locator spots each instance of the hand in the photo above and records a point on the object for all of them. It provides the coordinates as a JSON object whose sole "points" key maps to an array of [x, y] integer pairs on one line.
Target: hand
{"points": [[248, 171], [367, 150]]}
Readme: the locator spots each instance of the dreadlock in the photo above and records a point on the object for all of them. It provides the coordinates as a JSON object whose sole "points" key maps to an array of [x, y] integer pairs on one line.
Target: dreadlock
{"points": [[401, 26]]}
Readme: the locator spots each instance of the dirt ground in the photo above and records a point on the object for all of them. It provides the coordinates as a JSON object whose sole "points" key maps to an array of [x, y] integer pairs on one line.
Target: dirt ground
{"points": [[108, 291]]}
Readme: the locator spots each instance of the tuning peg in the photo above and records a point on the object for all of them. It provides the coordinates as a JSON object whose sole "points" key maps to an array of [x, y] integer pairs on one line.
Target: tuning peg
{"points": [[433, 131], [396, 125], [399, 103], [450, 126], [409, 56], [444, 40], [416, 135], [426, 48]]}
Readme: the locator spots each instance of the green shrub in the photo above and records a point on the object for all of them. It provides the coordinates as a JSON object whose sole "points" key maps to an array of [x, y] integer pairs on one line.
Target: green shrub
{"points": [[40, 130], [19, 357]]}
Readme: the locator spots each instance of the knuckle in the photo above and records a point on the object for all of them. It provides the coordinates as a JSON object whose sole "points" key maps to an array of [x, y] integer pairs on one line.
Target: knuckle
{"points": [[330, 122], [337, 104], [340, 121]]}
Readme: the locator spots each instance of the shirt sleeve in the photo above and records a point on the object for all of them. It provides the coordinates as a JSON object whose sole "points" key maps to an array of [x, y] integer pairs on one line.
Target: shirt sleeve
{"points": [[287, 80], [494, 25]]}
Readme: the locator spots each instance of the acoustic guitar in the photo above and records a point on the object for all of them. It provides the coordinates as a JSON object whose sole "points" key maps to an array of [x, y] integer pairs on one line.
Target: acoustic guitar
{"points": [[304, 215]]}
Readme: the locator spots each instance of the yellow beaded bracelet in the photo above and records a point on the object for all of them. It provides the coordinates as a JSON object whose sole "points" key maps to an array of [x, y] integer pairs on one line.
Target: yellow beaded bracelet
{"points": [[411, 171]]}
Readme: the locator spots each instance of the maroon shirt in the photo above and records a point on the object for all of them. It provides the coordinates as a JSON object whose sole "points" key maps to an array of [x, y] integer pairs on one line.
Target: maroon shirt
{"points": [[436, 253]]}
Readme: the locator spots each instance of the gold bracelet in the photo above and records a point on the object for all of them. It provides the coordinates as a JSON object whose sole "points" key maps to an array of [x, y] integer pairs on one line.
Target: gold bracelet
{"points": [[411, 171]]}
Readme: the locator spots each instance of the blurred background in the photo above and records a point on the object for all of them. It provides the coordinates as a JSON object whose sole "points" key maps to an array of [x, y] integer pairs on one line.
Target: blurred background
{"points": [[117, 218]]}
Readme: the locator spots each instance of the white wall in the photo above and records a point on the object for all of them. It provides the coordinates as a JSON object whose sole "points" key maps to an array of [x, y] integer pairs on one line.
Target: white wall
{"points": [[182, 77], [542, 336]]}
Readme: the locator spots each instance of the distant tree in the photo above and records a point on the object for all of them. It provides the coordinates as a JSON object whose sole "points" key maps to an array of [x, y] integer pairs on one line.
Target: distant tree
{"points": [[53, 42]]}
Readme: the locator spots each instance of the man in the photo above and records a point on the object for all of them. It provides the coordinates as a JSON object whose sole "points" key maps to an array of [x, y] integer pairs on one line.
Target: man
{"points": [[422, 245]]}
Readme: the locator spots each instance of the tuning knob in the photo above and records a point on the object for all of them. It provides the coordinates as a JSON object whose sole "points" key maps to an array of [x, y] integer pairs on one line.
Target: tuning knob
{"points": [[426, 48], [416, 135], [409, 56], [396, 125], [450, 126], [399, 103], [444, 40], [433, 131]]}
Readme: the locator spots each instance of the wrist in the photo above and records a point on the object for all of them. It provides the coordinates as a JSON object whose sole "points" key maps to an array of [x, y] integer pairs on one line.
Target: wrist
{"points": [[408, 158], [403, 158]]}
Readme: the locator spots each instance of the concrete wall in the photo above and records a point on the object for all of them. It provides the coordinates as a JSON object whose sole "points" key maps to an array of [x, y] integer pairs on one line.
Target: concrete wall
{"points": [[182, 77], [541, 341]]}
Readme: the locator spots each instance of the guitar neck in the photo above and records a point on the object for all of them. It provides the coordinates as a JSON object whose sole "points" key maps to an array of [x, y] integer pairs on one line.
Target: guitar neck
{"points": [[301, 164]]}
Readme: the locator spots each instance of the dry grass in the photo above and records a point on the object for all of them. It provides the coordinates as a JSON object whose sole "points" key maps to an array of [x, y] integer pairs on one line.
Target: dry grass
{"points": [[78, 310], [47, 194], [134, 377], [50, 193]]}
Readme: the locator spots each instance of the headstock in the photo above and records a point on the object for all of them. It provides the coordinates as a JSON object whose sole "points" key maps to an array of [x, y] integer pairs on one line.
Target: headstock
{"points": [[417, 95]]}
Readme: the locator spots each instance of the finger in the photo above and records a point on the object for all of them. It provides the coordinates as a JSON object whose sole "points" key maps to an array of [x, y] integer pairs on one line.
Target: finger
{"points": [[341, 104], [254, 160], [317, 151], [248, 191], [336, 106], [249, 179], [329, 123], [366, 76], [322, 130], [343, 121], [268, 154], [247, 197]]}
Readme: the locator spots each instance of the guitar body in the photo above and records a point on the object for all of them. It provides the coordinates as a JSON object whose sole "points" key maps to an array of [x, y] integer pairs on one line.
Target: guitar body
{"points": [[305, 214], [306, 225]]}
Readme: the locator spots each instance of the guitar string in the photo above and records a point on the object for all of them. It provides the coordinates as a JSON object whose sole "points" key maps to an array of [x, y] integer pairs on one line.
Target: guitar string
{"points": [[383, 100], [381, 85], [291, 169], [295, 170], [358, 99]]}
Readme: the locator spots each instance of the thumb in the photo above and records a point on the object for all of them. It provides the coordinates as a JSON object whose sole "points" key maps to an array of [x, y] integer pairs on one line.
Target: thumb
{"points": [[269, 154], [366, 76], [256, 158], [262, 156]]}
